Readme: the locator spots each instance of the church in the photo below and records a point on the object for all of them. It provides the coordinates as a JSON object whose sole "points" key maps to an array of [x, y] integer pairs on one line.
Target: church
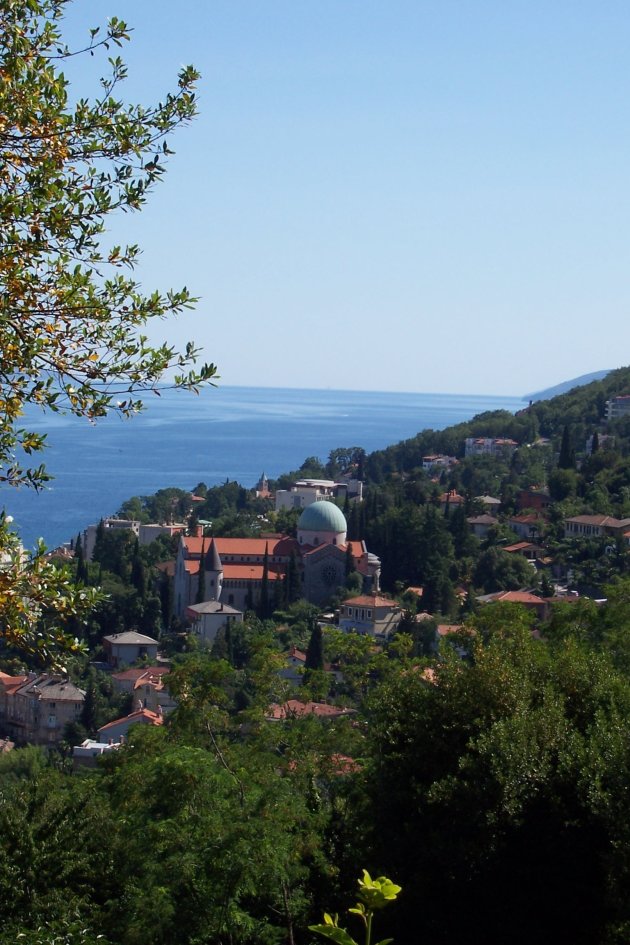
{"points": [[233, 567]]}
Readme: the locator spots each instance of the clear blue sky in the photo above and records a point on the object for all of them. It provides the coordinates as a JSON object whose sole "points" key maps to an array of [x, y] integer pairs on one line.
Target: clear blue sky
{"points": [[428, 196]]}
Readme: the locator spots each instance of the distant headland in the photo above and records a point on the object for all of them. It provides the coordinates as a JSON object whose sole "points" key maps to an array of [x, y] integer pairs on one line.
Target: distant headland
{"points": [[566, 386]]}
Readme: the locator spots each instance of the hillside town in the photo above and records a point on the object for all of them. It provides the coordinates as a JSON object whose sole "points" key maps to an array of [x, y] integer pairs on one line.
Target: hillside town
{"points": [[525, 550]]}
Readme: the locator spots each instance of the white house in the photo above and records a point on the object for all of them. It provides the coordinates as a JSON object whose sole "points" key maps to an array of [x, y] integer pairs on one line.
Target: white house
{"points": [[371, 615], [209, 617], [123, 649]]}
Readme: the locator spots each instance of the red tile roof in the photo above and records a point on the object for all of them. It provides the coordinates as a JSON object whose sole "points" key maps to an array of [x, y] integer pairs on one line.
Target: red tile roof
{"points": [[297, 654], [135, 672], [248, 572], [142, 715], [253, 547], [293, 708], [365, 600], [517, 597]]}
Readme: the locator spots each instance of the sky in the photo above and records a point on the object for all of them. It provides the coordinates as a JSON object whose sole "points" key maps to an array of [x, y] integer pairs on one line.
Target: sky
{"points": [[404, 196]]}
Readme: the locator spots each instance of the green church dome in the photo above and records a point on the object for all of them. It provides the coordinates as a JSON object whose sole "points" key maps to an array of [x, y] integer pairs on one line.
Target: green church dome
{"points": [[322, 517]]}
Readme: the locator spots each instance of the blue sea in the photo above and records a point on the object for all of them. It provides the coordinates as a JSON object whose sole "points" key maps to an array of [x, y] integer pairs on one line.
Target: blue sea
{"points": [[224, 433]]}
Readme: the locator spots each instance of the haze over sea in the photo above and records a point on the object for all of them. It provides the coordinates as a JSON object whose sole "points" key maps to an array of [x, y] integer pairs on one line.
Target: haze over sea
{"points": [[231, 433]]}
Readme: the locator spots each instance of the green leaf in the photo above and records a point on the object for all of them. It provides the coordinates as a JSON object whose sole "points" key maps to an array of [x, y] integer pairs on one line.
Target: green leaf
{"points": [[334, 933]]}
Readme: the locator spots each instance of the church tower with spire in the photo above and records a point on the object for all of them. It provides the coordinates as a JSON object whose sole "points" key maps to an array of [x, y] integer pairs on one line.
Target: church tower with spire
{"points": [[213, 569]]}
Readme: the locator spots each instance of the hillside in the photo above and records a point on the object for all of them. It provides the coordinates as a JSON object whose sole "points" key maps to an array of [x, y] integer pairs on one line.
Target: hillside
{"points": [[565, 386]]}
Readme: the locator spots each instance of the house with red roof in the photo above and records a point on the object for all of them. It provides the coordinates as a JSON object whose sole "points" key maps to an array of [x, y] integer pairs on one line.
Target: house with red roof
{"points": [[451, 500], [489, 446], [370, 614], [35, 709], [113, 731], [595, 526], [527, 526], [295, 664], [294, 709], [538, 605], [148, 687]]}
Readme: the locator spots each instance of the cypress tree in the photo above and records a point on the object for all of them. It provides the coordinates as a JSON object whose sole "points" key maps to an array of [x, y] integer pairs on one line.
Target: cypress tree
{"points": [[82, 569], [89, 709], [595, 442], [566, 459], [346, 506], [350, 565], [201, 583], [315, 649], [138, 575], [166, 599], [361, 464], [98, 540], [293, 585], [264, 587]]}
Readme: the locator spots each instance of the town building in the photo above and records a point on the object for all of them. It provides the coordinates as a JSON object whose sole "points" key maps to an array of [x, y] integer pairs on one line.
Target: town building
{"points": [[480, 525], [144, 533], [148, 687], [35, 709], [306, 491], [124, 649], [490, 504], [527, 526], [438, 461], [451, 500], [595, 526], [538, 605], [119, 728], [370, 614], [234, 568], [618, 406], [536, 499], [209, 617], [294, 709], [489, 446]]}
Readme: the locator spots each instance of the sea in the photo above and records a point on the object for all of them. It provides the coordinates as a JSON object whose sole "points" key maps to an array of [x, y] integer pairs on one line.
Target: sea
{"points": [[224, 433]]}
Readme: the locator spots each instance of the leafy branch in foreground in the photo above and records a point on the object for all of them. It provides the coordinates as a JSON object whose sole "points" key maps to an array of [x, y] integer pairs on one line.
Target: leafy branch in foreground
{"points": [[37, 601], [71, 315], [374, 894]]}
